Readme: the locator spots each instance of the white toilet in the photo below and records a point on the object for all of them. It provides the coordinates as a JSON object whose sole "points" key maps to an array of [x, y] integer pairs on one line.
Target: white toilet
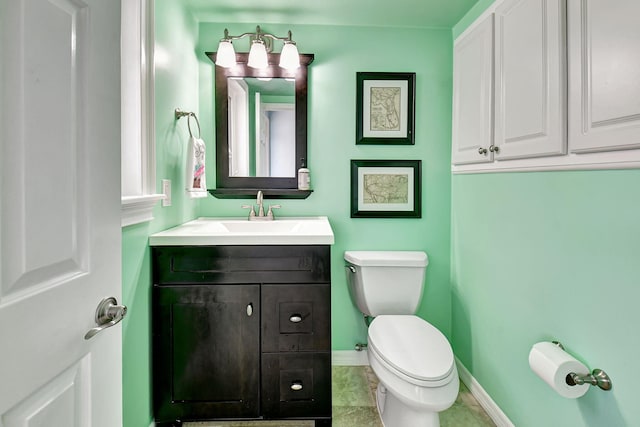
{"points": [[412, 359]]}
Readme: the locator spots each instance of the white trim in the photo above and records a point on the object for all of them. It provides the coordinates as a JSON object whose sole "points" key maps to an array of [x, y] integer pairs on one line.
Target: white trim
{"points": [[137, 209], [349, 358], [622, 159], [147, 85], [153, 424], [483, 398]]}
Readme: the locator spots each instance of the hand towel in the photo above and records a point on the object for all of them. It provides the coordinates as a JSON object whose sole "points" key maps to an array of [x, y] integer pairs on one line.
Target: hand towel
{"points": [[196, 178]]}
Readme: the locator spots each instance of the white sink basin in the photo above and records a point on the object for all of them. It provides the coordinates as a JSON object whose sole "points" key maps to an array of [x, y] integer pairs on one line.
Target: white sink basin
{"points": [[240, 231], [276, 226]]}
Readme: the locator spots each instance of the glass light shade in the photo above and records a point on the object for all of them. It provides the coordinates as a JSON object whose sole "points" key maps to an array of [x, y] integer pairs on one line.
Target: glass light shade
{"points": [[226, 56], [289, 58], [258, 55]]}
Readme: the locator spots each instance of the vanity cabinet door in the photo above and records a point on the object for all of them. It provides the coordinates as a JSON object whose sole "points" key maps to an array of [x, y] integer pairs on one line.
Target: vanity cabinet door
{"points": [[206, 351], [296, 318]]}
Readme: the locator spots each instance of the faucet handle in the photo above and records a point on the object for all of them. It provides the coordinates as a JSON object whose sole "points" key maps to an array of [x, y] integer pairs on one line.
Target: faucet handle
{"points": [[270, 213], [252, 213]]}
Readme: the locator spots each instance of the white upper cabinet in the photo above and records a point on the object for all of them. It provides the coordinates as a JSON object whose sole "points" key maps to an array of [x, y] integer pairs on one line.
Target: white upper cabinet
{"points": [[530, 79], [562, 90], [604, 75], [472, 130]]}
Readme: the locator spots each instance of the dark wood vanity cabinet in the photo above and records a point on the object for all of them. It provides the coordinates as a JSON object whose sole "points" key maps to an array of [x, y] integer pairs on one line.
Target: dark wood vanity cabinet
{"points": [[241, 332]]}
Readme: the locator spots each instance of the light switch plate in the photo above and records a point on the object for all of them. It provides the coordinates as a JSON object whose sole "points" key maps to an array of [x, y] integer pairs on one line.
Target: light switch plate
{"points": [[166, 190]]}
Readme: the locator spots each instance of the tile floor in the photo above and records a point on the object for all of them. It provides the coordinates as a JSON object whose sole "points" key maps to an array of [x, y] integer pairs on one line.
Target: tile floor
{"points": [[354, 405]]}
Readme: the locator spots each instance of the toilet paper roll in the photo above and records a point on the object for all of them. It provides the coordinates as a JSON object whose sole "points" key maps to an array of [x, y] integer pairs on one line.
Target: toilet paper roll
{"points": [[553, 364]]}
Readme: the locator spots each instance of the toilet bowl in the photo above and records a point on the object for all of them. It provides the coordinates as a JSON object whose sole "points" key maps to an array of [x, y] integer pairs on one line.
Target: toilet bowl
{"points": [[416, 369], [412, 359]]}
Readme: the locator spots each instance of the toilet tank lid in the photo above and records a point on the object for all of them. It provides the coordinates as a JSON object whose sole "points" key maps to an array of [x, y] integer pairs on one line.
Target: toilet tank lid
{"points": [[387, 258]]}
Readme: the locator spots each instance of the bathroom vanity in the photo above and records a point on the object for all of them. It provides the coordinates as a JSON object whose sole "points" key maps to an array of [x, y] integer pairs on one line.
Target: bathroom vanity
{"points": [[241, 331]]}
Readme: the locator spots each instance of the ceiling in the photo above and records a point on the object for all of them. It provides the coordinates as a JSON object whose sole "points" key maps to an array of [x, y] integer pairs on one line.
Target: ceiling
{"points": [[385, 13]]}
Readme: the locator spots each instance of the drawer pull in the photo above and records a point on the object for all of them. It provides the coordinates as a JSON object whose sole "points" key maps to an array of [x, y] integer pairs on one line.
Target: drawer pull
{"points": [[250, 309], [296, 386], [295, 318]]}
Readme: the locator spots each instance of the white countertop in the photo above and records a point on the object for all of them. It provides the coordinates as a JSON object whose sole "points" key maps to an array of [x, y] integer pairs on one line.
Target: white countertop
{"points": [[209, 231]]}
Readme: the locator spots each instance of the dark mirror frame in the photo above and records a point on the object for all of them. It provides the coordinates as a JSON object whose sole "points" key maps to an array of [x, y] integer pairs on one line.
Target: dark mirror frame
{"points": [[247, 187]]}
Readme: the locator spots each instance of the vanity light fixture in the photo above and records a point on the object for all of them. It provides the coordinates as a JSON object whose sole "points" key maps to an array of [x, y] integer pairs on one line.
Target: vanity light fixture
{"points": [[261, 43]]}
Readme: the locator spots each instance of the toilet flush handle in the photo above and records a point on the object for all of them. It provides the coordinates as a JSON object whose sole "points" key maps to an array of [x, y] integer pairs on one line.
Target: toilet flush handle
{"points": [[351, 268]]}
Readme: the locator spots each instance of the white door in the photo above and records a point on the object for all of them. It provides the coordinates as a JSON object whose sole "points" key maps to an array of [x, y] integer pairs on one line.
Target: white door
{"points": [[60, 250], [604, 75], [472, 133], [530, 79]]}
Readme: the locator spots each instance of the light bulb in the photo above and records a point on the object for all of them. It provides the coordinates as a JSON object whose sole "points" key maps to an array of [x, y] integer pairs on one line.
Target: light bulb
{"points": [[289, 58], [258, 55], [226, 56]]}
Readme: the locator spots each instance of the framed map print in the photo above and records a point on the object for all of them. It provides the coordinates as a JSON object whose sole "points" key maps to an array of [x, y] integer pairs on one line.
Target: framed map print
{"points": [[386, 189], [385, 108]]}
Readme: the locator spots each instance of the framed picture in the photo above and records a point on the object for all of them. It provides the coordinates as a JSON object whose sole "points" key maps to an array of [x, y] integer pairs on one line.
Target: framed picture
{"points": [[386, 189], [385, 108]]}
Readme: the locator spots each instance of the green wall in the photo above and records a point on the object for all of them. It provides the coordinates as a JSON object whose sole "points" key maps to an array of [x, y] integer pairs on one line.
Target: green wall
{"points": [[339, 53], [176, 85], [548, 256]]}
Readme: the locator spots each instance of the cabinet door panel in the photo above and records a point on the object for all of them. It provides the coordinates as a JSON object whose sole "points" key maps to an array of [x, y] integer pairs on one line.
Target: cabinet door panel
{"points": [[296, 317], [604, 75], [473, 95], [206, 351], [530, 79]]}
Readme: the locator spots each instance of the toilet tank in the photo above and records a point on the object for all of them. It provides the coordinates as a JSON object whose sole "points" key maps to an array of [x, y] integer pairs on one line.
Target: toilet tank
{"points": [[386, 282]]}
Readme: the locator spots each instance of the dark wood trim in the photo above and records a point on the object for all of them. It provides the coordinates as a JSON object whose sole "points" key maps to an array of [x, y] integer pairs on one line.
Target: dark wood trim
{"points": [[273, 186]]}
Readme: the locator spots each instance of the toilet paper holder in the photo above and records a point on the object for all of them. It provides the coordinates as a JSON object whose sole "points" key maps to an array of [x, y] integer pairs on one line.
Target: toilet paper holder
{"points": [[597, 377]]}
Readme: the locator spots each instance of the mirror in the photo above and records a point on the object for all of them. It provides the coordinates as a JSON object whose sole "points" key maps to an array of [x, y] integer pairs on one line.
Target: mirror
{"points": [[261, 128]]}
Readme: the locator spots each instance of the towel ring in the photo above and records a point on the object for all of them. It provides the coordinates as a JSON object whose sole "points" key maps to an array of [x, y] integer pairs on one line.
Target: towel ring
{"points": [[179, 113]]}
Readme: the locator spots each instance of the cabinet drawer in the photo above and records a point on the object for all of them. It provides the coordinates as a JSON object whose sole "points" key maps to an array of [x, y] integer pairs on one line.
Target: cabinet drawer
{"points": [[296, 318], [296, 385], [241, 264]]}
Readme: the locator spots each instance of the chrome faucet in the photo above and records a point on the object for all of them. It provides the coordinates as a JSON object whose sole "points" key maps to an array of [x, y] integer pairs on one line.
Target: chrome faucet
{"points": [[260, 216], [259, 201]]}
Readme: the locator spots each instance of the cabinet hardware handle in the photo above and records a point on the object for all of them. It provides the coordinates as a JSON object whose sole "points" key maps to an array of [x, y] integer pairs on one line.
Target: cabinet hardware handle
{"points": [[482, 150], [494, 148], [249, 309], [296, 385], [295, 318]]}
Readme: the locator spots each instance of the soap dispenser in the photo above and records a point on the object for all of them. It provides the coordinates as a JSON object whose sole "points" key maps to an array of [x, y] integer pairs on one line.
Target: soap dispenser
{"points": [[304, 179]]}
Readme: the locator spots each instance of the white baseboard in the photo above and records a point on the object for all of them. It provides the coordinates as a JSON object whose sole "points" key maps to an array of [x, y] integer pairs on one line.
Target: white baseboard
{"points": [[349, 358], [483, 398]]}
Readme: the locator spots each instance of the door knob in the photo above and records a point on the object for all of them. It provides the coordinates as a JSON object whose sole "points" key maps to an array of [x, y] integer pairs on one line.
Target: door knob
{"points": [[108, 314]]}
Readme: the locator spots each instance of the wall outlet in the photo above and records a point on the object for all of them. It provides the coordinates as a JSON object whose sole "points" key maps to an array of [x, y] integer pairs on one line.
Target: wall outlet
{"points": [[166, 190]]}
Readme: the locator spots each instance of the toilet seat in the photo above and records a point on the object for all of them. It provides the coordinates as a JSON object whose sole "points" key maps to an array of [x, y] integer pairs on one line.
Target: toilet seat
{"points": [[412, 348]]}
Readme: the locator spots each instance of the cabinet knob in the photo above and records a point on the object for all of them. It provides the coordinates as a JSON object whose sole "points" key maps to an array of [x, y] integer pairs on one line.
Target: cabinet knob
{"points": [[295, 318], [494, 148], [296, 385], [249, 309], [482, 150]]}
